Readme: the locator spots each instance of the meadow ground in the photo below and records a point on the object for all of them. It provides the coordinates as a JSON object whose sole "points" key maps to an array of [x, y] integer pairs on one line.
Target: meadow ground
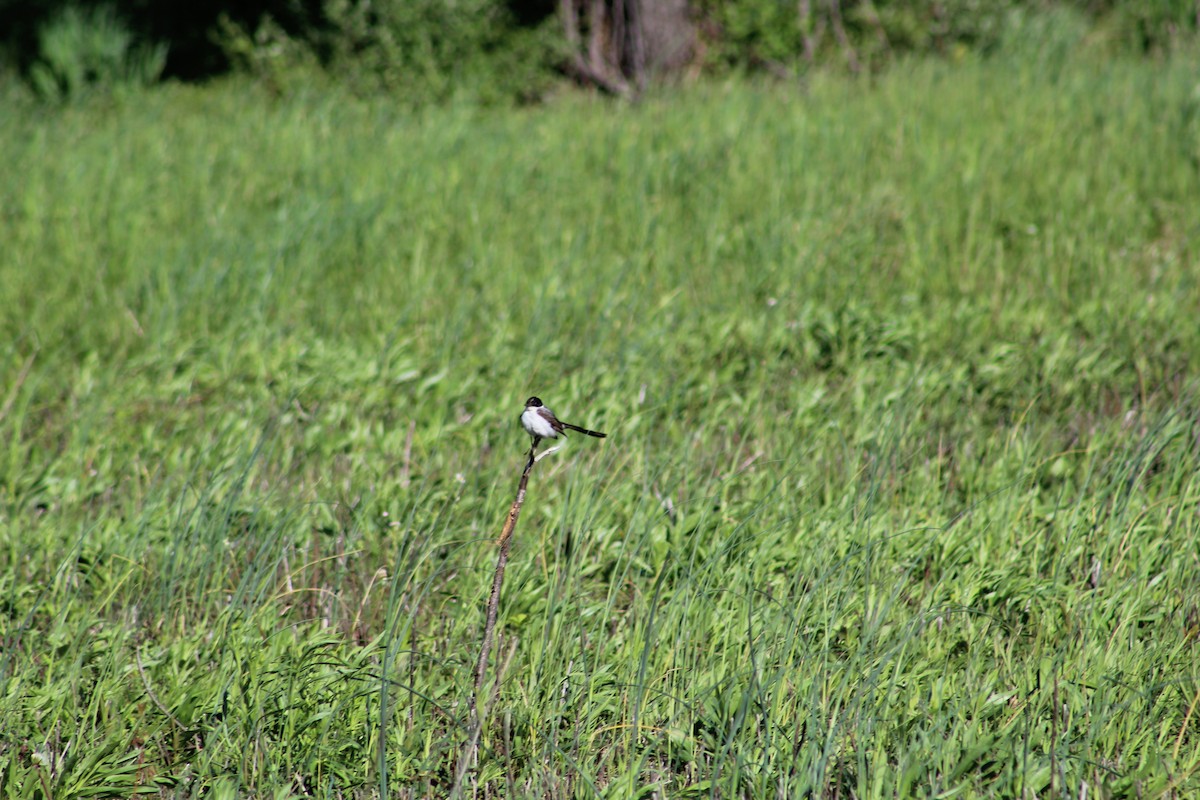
{"points": [[899, 498]]}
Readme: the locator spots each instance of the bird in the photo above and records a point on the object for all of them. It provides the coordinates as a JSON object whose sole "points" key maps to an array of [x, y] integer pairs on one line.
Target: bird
{"points": [[541, 423]]}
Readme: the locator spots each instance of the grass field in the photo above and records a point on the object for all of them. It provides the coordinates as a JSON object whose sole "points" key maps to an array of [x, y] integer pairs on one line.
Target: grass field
{"points": [[900, 494]]}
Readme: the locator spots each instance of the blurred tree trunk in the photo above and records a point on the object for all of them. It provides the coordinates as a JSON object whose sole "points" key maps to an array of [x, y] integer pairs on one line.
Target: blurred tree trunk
{"points": [[615, 45]]}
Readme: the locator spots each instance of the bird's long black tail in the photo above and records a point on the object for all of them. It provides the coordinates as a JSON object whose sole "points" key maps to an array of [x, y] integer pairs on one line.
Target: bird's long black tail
{"points": [[571, 427]]}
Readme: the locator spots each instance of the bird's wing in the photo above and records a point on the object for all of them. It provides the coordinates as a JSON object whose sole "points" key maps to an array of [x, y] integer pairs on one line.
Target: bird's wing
{"points": [[548, 415]]}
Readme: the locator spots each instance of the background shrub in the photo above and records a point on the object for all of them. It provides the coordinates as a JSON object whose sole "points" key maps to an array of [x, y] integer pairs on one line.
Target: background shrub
{"points": [[431, 49], [92, 48], [500, 50]]}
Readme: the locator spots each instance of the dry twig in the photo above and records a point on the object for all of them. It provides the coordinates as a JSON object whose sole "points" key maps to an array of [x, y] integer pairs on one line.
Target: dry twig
{"points": [[475, 726]]}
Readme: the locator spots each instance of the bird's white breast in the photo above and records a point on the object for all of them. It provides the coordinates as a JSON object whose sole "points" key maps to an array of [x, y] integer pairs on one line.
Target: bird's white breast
{"points": [[533, 422]]}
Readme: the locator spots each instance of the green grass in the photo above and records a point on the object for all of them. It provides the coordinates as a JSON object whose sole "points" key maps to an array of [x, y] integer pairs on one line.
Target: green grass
{"points": [[899, 498]]}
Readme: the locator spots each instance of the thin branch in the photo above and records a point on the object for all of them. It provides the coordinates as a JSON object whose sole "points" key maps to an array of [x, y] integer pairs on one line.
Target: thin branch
{"points": [[545, 453], [471, 751]]}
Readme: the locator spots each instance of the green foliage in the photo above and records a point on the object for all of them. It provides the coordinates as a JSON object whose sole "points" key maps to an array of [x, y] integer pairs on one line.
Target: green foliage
{"points": [[766, 30], [500, 51], [268, 53], [90, 48], [1045, 37], [433, 49], [940, 24], [419, 52], [773, 32], [1156, 25], [899, 496]]}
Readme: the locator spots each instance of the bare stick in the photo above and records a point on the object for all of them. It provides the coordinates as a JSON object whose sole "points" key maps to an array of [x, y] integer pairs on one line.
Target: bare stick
{"points": [[475, 726]]}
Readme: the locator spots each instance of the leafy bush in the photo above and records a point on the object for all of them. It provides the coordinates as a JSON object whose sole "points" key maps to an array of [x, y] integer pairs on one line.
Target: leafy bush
{"points": [[91, 48], [756, 32], [432, 49], [1045, 37], [418, 50], [1153, 26], [933, 24], [779, 33], [499, 50], [268, 53]]}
